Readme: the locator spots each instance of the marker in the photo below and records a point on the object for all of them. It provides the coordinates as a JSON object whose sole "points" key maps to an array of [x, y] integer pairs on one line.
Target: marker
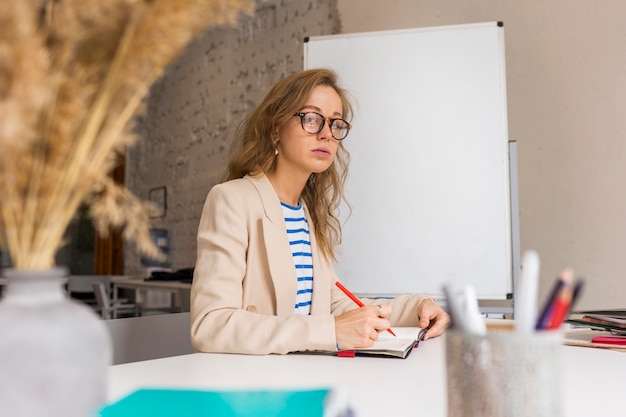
{"points": [[463, 306], [525, 301], [355, 299]]}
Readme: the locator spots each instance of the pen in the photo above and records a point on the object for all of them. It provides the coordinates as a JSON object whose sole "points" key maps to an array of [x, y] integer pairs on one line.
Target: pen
{"points": [[576, 293], [355, 299], [544, 318]]}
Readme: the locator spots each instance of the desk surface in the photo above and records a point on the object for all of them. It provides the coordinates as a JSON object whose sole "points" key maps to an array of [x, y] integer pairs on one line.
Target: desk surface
{"points": [[593, 379]]}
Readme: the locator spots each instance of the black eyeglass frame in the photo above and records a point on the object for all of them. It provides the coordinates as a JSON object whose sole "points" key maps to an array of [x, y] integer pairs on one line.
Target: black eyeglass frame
{"points": [[324, 119]]}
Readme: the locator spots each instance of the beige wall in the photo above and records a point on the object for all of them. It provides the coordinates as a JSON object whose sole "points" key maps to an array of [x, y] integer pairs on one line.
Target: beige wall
{"points": [[566, 81]]}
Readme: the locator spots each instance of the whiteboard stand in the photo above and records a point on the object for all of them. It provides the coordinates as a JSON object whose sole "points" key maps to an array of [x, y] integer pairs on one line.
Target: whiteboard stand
{"points": [[499, 306], [515, 231], [505, 307]]}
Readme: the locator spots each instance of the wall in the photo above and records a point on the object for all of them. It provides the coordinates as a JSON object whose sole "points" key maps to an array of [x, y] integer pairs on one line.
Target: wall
{"points": [[565, 65], [566, 97], [194, 110]]}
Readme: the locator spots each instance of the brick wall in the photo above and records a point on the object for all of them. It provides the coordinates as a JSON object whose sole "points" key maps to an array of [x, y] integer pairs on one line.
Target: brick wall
{"points": [[192, 113]]}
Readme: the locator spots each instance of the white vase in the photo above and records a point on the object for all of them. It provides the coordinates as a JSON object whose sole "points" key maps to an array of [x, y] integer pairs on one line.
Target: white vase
{"points": [[54, 351]]}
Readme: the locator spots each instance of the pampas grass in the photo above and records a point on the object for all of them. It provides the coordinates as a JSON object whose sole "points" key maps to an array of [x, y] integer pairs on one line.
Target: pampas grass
{"points": [[73, 76]]}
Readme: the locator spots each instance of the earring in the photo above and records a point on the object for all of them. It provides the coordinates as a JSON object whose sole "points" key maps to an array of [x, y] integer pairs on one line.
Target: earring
{"points": [[275, 148]]}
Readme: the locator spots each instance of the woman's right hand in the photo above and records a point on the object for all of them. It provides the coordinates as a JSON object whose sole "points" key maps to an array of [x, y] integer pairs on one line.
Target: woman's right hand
{"points": [[359, 328]]}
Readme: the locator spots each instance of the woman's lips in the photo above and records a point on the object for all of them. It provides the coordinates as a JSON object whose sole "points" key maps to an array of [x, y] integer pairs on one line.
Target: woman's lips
{"points": [[321, 151]]}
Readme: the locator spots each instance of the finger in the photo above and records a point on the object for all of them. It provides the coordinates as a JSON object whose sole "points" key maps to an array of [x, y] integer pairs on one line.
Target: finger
{"points": [[435, 330], [381, 325], [439, 325], [384, 310], [374, 334], [429, 311]]}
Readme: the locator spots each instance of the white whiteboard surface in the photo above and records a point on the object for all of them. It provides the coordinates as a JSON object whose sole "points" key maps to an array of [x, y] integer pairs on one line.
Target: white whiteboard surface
{"points": [[429, 174]]}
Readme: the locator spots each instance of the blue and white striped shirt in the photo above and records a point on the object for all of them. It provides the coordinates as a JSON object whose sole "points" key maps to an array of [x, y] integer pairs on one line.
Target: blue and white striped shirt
{"points": [[300, 243]]}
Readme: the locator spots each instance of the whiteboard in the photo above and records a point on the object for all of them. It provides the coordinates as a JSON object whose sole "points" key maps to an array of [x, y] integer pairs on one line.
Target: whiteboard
{"points": [[429, 182]]}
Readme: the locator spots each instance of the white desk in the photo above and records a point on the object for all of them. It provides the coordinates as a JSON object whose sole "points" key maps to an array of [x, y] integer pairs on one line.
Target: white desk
{"points": [[593, 379]]}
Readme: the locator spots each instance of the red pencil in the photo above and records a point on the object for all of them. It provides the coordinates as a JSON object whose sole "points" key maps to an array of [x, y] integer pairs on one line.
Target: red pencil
{"points": [[355, 299], [562, 301]]}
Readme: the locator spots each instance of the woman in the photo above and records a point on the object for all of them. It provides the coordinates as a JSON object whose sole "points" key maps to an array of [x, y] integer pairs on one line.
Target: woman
{"points": [[264, 279]]}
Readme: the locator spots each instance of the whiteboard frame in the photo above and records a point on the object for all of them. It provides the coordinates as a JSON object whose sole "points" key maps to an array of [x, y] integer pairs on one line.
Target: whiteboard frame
{"points": [[441, 49]]}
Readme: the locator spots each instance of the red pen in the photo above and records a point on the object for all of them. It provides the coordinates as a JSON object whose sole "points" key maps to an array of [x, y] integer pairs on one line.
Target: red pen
{"points": [[355, 299]]}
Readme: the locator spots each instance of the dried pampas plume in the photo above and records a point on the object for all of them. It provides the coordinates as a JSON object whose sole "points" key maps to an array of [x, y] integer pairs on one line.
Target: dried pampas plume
{"points": [[73, 75]]}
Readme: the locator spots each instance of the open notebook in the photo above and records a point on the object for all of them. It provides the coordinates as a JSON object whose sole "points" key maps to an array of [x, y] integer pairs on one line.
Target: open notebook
{"points": [[387, 345]]}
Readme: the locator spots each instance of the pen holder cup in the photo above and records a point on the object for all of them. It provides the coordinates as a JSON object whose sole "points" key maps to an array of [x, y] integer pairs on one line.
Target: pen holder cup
{"points": [[504, 374]]}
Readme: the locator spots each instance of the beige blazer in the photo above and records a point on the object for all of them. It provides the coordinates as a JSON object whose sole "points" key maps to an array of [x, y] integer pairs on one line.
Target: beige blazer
{"points": [[244, 287]]}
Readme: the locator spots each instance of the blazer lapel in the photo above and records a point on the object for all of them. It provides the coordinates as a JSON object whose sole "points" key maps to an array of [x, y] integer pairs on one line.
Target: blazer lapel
{"points": [[280, 261]]}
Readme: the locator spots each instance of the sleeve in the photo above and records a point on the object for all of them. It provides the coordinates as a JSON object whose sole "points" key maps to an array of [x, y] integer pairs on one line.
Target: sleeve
{"points": [[219, 321]]}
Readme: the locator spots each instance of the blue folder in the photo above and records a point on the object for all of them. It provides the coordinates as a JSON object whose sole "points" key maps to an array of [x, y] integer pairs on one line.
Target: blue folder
{"points": [[199, 403]]}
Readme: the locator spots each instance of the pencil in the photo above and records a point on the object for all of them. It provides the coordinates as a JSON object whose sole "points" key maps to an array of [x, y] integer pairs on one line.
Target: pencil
{"points": [[562, 301], [355, 299]]}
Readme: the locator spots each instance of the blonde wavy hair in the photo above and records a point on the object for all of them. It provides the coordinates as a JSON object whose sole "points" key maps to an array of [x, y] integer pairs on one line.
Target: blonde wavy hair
{"points": [[253, 150]]}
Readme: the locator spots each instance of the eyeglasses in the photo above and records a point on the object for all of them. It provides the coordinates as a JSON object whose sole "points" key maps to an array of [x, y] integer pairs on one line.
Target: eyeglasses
{"points": [[313, 123]]}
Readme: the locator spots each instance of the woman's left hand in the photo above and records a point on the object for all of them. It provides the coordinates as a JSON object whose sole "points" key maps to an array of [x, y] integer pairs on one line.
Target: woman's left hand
{"points": [[434, 317]]}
